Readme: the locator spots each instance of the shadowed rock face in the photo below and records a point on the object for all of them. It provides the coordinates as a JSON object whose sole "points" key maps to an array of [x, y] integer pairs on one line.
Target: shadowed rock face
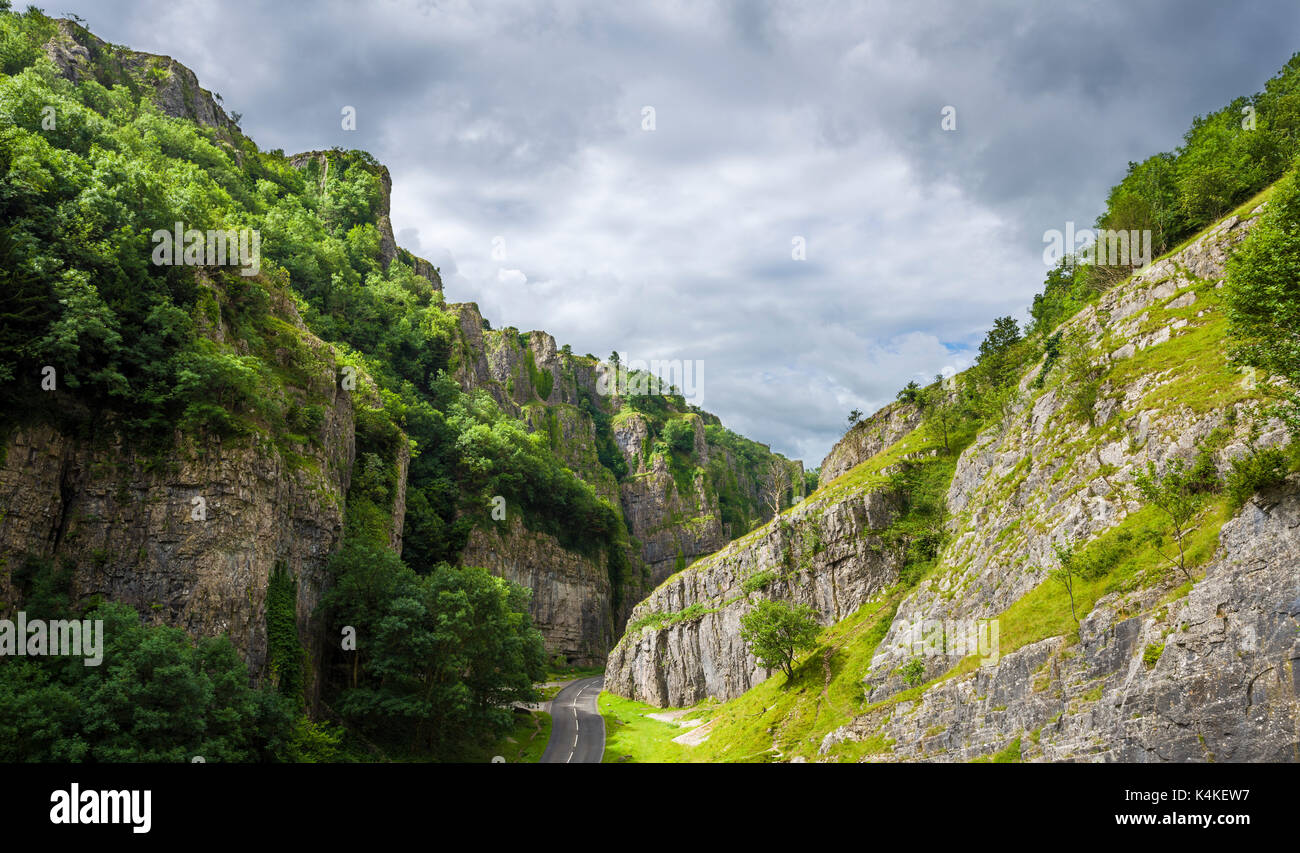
{"points": [[131, 526], [571, 593]]}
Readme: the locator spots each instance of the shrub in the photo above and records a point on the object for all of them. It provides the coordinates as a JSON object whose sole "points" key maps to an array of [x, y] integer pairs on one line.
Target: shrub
{"points": [[1257, 470]]}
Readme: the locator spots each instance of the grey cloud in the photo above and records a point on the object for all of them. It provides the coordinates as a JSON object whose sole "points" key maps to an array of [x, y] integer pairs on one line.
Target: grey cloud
{"points": [[774, 119]]}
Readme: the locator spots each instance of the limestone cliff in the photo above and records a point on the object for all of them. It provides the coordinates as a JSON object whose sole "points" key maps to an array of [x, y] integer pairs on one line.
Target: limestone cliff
{"points": [[867, 438], [187, 535], [669, 502], [683, 642]]}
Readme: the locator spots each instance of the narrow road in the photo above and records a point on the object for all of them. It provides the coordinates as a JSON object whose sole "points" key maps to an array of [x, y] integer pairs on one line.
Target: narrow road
{"points": [[577, 729]]}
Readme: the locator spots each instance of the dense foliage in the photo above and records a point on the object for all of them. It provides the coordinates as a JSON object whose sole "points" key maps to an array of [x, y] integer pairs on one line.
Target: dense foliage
{"points": [[776, 631], [1263, 297], [440, 657], [155, 696]]}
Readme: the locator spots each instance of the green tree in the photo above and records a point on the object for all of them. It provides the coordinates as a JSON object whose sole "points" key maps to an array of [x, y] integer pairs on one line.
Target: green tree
{"points": [[776, 631], [439, 657], [910, 393], [1175, 493], [1263, 298], [1066, 573], [679, 435], [941, 413]]}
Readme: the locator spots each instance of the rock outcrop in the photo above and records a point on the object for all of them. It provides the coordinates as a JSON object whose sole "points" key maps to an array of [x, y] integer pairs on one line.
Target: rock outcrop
{"points": [[80, 55], [571, 602], [867, 438], [1211, 677], [683, 642]]}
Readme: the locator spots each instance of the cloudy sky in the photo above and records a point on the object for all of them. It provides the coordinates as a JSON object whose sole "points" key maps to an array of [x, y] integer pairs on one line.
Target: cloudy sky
{"points": [[524, 126]]}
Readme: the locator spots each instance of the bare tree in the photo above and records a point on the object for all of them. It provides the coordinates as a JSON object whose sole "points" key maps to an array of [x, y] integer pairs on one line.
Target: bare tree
{"points": [[776, 483]]}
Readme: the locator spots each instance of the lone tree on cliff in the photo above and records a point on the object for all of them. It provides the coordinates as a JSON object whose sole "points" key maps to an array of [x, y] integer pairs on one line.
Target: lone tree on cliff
{"points": [[776, 482], [775, 631]]}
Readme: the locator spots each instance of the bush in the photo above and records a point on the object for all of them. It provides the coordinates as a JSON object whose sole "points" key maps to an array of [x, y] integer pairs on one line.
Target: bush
{"points": [[679, 436], [913, 672], [1257, 470]]}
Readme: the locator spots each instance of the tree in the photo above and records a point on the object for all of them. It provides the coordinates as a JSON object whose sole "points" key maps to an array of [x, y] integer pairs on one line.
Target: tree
{"points": [[776, 631], [911, 392], [440, 657], [1066, 573], [941, 413], [855, 416], [679, 435], [996, 361], [1263, 296], [1081, 376], [776, 483], [1175, 495]]}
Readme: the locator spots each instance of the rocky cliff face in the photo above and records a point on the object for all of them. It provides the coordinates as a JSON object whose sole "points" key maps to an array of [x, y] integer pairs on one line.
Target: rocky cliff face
{"points": [[188, 536], [674, 519], [1208, 677], [867, 438], [571, 593], [683, 642], [80, 55], [1164, 668]]}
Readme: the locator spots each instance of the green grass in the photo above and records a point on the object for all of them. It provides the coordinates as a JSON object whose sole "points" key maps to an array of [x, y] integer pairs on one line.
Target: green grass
{"points": [[1010, 755], [631, 736], [524, 744], [789, 716], [869, 474], [1131, 555]]}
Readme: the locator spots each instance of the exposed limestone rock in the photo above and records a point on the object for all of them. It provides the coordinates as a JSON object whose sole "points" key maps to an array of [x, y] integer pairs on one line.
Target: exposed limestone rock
{"points": [[571, 594], [825, 556], [1224, 686], [867, 438], [80, 55], [130, 524]]}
